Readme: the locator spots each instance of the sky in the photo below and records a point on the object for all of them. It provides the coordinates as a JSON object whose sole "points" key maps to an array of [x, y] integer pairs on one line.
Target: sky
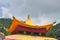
{"points": [[41, 11]]}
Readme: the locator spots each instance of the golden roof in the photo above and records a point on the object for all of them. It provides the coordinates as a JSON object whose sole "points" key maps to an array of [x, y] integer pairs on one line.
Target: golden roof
{"points": [[16, 22]]}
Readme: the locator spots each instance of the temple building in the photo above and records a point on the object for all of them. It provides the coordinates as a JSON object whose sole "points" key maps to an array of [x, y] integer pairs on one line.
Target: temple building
{"points": [[28, 26]]}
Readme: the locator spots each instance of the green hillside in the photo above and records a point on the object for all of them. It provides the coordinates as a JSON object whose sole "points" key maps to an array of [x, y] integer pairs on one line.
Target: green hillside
{"points": [[5, 22], [55, 31]]}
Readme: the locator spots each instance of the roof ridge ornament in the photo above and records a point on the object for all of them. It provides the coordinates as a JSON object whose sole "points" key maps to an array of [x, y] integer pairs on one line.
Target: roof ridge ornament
{"points": [[29, 21], [13, 17]]}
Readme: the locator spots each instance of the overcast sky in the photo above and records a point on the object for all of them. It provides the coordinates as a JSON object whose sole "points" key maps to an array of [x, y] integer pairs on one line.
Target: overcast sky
{"points": [[40, 11]]}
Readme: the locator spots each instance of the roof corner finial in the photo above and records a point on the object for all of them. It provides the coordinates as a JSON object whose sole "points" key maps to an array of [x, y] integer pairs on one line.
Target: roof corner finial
{"points": [[13, 17], [54, 22]]}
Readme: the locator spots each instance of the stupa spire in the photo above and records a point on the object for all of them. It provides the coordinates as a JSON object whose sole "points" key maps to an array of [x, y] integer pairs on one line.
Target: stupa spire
{"points": [[29, 21]]}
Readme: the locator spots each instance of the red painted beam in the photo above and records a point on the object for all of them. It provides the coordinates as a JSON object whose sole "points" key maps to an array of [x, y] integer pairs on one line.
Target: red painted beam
{"points": [[34, 30]]}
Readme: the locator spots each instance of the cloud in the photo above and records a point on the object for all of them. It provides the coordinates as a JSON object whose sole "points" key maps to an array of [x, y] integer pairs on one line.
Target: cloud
{"points": [[6, 13], [36, 8]]}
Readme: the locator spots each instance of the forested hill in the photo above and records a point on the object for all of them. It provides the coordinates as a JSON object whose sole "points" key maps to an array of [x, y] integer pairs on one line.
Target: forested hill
{"points": [[5, 23], [55, 31]]}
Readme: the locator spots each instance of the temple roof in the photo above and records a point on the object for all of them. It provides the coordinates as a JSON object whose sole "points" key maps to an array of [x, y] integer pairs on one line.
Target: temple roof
{"points": [[19, 23]]}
